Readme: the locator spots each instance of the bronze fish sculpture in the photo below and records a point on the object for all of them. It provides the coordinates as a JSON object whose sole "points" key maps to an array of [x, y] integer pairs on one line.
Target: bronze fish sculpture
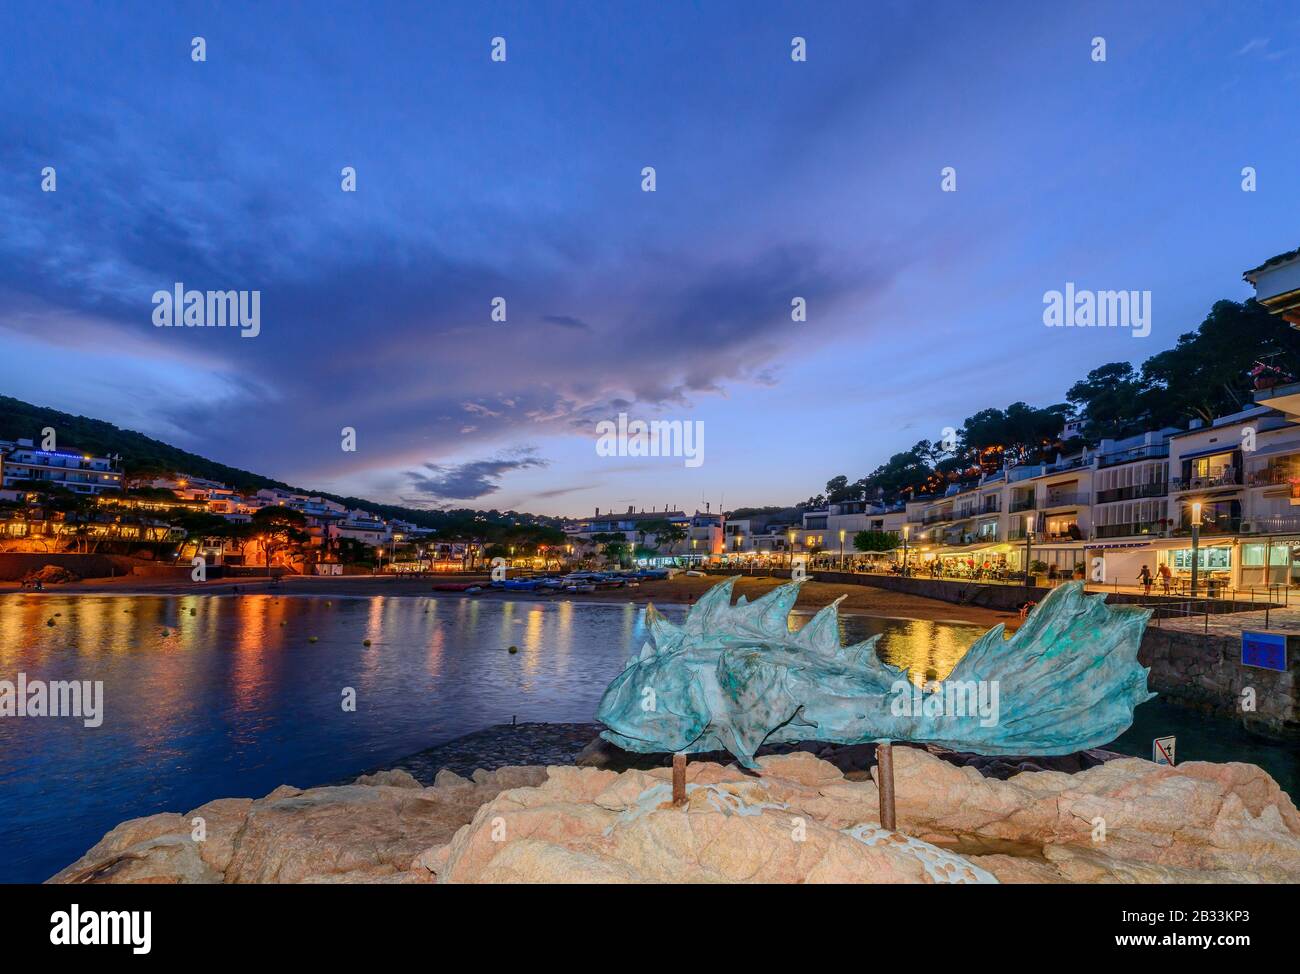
{"points": [[735, 677]]}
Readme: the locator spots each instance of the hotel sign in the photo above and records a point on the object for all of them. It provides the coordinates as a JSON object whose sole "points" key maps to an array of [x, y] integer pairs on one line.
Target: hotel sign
{"points": [[1264, 650]]}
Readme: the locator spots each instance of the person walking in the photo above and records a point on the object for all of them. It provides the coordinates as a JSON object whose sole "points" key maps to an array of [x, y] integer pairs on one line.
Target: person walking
{"points": [[1144, 576], [1166, 576]]}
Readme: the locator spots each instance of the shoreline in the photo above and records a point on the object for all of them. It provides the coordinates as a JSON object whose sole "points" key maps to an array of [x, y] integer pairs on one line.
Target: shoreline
{"points": [[678, 592]]}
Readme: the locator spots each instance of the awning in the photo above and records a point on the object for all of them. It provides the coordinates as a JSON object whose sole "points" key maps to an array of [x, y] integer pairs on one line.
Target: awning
{"points": [[1277, 449]]}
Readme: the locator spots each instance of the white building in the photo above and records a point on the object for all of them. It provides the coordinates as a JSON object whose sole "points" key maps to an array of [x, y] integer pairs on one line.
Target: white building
{"points": [[80, 473]]}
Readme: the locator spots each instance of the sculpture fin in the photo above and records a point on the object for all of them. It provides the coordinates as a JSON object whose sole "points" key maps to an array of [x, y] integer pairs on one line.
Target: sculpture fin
{"points": [[822, 632]]}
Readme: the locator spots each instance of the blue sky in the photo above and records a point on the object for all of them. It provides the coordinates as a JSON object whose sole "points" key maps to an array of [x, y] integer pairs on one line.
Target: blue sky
{"points": [[522, 179]]}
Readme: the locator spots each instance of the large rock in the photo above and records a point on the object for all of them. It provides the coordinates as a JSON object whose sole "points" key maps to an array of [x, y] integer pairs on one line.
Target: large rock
{"points": [[1231, 819], [370, 831], [590, 825], [800, 819]]}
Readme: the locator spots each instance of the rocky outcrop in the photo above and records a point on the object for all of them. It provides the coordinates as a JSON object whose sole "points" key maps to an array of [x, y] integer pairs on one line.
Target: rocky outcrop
{"points": [[369, 831], [801, 819]]}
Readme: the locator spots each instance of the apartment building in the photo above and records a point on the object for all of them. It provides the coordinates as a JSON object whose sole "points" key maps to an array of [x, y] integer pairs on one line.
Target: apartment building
{"points": [[704, 534], [80, 473]]}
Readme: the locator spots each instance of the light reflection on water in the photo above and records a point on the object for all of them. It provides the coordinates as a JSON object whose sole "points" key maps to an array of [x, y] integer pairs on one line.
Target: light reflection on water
{"points": [[209, 696]]}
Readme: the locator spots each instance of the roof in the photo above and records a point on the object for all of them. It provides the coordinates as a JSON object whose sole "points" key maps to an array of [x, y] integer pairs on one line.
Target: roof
{"points": [[642, 516], [1271, 262]]}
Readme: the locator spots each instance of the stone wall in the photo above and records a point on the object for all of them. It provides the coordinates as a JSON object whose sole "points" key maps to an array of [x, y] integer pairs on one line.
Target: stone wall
{"points": [[1205, 672], [15, 564]]}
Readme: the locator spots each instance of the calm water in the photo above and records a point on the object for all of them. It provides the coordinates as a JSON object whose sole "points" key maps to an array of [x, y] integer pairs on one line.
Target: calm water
{"points": [[234, 699]]}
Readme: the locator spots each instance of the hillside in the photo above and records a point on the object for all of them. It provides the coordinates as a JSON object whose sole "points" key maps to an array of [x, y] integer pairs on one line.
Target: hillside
{"points": [[143, 454]]}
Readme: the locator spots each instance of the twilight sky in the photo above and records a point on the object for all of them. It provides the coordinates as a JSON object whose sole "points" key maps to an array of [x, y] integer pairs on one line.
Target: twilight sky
{"points": [[522, 179]]}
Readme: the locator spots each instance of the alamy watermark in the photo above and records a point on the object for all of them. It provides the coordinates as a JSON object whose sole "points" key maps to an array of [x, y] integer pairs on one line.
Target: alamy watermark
{"points": [[1077, 308], [57, 698], [656, 438], [949, 698], [179, 308]]}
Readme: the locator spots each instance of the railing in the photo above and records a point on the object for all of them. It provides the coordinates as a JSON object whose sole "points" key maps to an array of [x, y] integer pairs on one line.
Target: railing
{"points": [[1128, 530], [1137, 453], [1067, 500], [1273, 477], [1269, 525], [1159, 489], [1221, 525], [1065, 535], [937, 517], [1023, 504], [1230, 477]]}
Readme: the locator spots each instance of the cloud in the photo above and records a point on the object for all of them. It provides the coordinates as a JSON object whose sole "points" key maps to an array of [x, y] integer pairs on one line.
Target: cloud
{"points": [[468, 481], [567, 321]]}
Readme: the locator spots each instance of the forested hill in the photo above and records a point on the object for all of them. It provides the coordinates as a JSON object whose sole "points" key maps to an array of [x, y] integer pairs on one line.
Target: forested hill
{"points": [[140, 453], [144, 455]]}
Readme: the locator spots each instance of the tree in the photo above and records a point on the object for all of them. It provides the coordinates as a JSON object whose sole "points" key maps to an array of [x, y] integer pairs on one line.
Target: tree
{"points": [[875, 540], [279, 528], [613, 545], [1110, 401]]}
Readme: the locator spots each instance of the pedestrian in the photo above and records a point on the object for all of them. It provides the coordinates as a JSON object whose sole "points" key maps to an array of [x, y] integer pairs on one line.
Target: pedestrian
{"points": [[1144, 576], [1166, 576]]}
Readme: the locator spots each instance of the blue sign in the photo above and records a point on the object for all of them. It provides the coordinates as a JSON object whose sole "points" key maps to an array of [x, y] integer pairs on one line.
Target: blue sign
{"points": [[1265, 650]]}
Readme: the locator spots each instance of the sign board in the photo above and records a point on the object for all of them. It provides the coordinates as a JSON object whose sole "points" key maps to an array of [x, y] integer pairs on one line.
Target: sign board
{"points": [[1162, 750], [1265, 650]]}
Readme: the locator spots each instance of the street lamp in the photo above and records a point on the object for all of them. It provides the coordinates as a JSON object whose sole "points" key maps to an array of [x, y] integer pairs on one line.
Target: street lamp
{"points": [[1196, 542], [1029, 535], [841, 549], [790, 555], [907, 530]]}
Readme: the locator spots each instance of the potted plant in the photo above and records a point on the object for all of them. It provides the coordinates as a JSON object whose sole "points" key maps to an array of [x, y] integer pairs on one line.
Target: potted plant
{"points": [[1036, 568]]}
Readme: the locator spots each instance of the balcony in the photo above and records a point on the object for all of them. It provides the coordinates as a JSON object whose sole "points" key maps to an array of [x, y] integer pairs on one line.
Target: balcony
{"points": [[936, 517], [1221, 525], [1230, 477], [1064, 499], [1274, 477], [1129, 530], [1136, 491], [1023, 504]]}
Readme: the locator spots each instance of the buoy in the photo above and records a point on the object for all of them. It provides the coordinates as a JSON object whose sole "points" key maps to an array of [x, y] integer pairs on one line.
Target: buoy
{"points": [[365, 642], [311, 639], [166, 633], [49, 622], [283, 622], [514, 649], [328, 602], [191, 612]]}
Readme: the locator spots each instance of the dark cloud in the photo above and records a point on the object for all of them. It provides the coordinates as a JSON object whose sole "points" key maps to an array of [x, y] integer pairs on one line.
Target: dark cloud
{"points": [[468, 481], [566, 321]]}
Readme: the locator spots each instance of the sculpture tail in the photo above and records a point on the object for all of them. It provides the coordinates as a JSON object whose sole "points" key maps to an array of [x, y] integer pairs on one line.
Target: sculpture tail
{"points": [[1067, 680]]}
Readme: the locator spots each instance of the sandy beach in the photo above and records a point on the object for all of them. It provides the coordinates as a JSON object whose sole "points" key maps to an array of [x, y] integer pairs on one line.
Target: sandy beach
{"points": [[680, 590]]}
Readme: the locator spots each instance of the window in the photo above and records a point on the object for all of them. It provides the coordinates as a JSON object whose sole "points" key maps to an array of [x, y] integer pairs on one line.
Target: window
{"points": [[1252, 555], [1208, 559]]}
